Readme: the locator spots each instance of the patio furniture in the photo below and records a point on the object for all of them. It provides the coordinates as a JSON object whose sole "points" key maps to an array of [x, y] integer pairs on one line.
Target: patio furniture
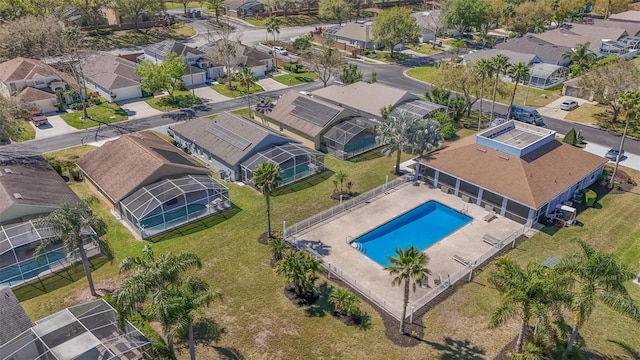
{"points": [[493, 241], [490, 216], [461, 260]]}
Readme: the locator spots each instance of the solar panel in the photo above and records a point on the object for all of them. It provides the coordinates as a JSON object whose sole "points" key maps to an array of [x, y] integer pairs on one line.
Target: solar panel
{"points": [[229, 136], [313, 112]]}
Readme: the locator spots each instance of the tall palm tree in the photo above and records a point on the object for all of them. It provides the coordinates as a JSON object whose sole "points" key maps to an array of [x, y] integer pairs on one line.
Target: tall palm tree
{"points": [[526, 293], [247, 80], [185, 308], [630, 102], [70, 224], [518, 72], [397, 133], [150, 280], [267, 178], [344, 300], [408, 266], [272, 25], [484, 69], [596, 276], [301, 270], [215, 5], [508, 12], [582, 59], [500, 66]]}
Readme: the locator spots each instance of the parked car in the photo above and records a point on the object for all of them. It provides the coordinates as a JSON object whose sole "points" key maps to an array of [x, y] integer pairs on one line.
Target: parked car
{"points": [[612, 154], [280, 50], [39, 120], [569, 105], [526, 114]]}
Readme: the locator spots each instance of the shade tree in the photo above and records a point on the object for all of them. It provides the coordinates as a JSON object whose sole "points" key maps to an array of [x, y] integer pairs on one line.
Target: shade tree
{"points": [[166, 76], [395, 26]]}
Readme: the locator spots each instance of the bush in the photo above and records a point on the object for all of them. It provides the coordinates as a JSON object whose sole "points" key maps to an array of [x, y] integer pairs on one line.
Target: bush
{"points": [[76, 175], [57, 167], [571, 137], [75, 106], [590, 197], [447, 129], [95, 100], [301, 44]]}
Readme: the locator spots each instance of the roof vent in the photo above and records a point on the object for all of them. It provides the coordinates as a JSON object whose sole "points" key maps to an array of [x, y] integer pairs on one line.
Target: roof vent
{"points": [[17, 195], [8, 171], [482, 150], [503, 157]]}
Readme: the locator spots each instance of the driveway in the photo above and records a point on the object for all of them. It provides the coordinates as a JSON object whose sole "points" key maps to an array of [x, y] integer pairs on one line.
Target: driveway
{"points": [[553, 109], [269, 84], [56, 127], [207, 94], [631, 161], [138, 109]]}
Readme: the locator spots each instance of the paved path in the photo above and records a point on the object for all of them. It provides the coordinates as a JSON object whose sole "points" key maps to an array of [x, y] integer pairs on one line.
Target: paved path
{"points": [[139, 109], [57, 126], [269, 84], [209, 95]]}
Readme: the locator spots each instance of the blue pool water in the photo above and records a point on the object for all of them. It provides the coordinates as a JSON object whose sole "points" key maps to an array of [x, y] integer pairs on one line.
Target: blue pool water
{"points": [[169, 216], [11, 274], [421, 227]]}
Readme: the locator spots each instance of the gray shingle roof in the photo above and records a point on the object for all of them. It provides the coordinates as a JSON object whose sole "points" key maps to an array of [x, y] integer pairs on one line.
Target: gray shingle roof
{"points": [[12, 316], [514, 57], [111, 72], [632, 28], [232, 138], [573, 34], [355, 31], [284, 113], [161, 49], [428, 20], [532, 45]]}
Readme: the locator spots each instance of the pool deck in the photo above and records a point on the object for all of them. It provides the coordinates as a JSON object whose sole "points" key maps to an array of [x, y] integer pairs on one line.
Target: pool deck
{"points": [[331, 239]]}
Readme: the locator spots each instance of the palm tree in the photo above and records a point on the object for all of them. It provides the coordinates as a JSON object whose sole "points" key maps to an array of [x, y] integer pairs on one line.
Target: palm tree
{"points": [[518, 72], [526, 293], [596, 275], [339, 179], [500, 66], [385, 112], [150, 280], [71, 224], [215, 5], [247, 80], [484, 68], [630, 102], [267, 178], [508, 12], [185, 308], [278, 246], [344, 300], [397, 133], [582, 59], [410, 267], [428, 137], [301, 270], [272, 25]]}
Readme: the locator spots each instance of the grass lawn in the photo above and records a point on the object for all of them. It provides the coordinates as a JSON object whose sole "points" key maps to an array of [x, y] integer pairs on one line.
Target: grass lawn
{"points": [[535, 98], [425, 49], [129, 38], [259, 322], [239, 91], [590, 114], [242, 112], [21, 130], [101, 114], [296, 79], [183, 99], [178, 5]]}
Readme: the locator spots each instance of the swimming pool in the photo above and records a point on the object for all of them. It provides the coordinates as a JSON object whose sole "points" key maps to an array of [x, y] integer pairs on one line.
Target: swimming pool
{"points": [[11, 275], [421, 227]]}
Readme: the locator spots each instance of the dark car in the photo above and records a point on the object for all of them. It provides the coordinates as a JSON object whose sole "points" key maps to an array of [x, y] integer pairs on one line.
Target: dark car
{"points": [[612, 154]]}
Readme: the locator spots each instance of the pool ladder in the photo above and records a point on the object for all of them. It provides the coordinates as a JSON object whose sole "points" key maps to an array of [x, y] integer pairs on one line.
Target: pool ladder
{"points": [[359, 246]]}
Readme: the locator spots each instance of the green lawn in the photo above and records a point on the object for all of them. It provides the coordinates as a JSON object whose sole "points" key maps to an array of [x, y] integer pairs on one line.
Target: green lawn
{"points": [[259, 322], [100, 114], [21, 130], [238, 90], [296, 79], [177, 5], [425, 49], [291, 20], [183, 99]]}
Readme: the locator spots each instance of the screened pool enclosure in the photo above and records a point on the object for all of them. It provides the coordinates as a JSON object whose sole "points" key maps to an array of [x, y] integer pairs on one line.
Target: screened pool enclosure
{"points": [[85, 331], [17, 245], [350, 138], [547, 75], [169, 203], [296, 162]]}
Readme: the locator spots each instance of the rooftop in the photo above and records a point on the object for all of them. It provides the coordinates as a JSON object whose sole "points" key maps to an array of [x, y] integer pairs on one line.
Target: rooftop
{"points": [[529, 44], [516, 134], [24, 69], [514, 57], [570, 35], [12, 316], [303, 113], [355, 31], [628, 16], [162, 49], [111, 72]]}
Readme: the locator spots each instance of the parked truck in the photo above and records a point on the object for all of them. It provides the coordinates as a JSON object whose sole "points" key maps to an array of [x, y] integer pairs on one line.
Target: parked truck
{"points": [[526, 115]]}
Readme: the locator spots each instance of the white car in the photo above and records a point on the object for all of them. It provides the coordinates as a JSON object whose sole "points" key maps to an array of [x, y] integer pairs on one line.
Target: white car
{"points": [[569, 105], [280, 50]]}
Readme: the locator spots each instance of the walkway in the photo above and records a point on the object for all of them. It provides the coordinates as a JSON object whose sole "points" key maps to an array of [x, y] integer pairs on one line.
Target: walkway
{"points": [[269, 84]]}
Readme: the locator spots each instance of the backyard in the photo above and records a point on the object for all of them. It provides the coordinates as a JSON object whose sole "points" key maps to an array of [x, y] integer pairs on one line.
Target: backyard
{"points": [[107, 40], [259, 322], [105, 113]]}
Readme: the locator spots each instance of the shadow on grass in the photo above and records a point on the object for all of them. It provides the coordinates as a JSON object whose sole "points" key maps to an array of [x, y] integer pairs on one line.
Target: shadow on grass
{"points": [[229, 353], [370, 155], [633, 353], [457, 349], [207, 331], [198, 225], [179, 101], [322, 306], [56, 280], [304, 183]]}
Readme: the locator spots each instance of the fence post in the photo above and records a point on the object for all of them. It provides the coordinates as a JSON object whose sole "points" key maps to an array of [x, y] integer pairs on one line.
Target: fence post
{"points": [[411, 314], [329, 273]]}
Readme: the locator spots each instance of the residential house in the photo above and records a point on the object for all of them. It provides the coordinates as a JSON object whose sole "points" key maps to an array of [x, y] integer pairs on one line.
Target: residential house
{"points": [[13, 318], [545, 52], [196, 61], [514, 57], [571, 35], [631, 16], [35, 83], [519, 171], [354, 34], [242, 8], [429, 23], [242, 56], [92, 330], [236, 146], [152, 185], [113, 77]]}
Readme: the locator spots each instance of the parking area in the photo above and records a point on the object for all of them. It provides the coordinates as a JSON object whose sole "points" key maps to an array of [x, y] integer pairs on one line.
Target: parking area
{"points": [[553, 108], [56, 127]]}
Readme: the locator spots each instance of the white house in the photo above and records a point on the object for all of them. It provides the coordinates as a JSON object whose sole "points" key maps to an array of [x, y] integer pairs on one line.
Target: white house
{"points": [[429, 24], [112, 77], [243, 56], [197, 71]]}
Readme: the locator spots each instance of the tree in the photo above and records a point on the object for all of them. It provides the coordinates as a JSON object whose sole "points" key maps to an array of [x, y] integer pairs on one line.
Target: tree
{"points": [[30, 37], [334, 9], [278, 246], [608, 7], [345, 301], [327, 62], [90, 11], [227, 51], [500, 65], [525, 293], [166, 76], [266, 179], [484, 69], [272, 25], [357, 4], [70, 224], [508, 12], [394, 26], [12, 110], [300, 269], [340, 178], [463, 15], [445, 124], [608, 82], [409, 267], [456, 104], [582, 59], [247, 80], [215, 5], [571, 137], [152, 281], [518, 72], [630, 102], [595, 276], [398, 134], [350, 74], [429, 136], [133, 9], [462, 79], [301, 44]]}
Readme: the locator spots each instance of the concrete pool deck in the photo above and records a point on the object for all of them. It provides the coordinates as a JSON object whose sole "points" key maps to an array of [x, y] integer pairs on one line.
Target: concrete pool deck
{"points": [[331, 239]]}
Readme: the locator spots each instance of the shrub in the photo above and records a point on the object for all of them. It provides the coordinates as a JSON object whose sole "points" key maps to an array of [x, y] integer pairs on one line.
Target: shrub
{"points": [[75, 106], [95, 100], [301, 44], [590, 197], [571, 137], [76, 175], [57, 167], [447, 129]]}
